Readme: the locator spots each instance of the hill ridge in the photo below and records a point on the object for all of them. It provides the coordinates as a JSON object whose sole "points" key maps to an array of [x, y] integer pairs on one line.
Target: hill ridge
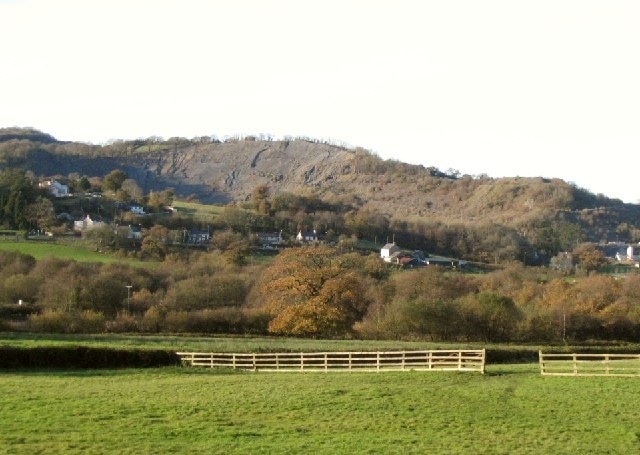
{"points": [[227, 171]]}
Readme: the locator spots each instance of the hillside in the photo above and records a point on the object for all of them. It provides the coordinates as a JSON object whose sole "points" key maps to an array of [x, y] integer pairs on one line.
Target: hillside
{"points": [[221, 172]]}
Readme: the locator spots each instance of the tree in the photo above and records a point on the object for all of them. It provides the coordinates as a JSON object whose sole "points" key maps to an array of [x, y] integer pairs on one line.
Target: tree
{"points": [[40, 213], [489, 316], [131, 187], [311, 292], [16, 192], [237, 252], [562, 261], [15, 210], [113, 180], [375, 267], [84, 184], [158, 200], [154, 242], [435, 318], [589, 257], [260, 199]]}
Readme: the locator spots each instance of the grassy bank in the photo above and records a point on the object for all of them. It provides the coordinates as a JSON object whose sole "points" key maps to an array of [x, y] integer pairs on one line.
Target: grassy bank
{"points": [[228, 343]]}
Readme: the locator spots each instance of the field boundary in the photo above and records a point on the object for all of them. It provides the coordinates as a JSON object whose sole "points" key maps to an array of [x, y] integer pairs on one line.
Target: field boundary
{"points": [[575, 364], [440, 360]]}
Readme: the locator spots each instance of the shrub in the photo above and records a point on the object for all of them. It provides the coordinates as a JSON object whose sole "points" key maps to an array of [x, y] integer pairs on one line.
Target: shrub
{"points": [[56, 321], [123, 322], [49, 320]]}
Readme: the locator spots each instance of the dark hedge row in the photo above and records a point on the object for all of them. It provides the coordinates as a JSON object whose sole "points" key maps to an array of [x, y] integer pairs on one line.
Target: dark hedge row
{"points": [[84, 357], [511, 356]]}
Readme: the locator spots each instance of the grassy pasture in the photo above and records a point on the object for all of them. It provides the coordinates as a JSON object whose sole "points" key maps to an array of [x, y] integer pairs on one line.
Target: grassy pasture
{"points": [[80, 253], [510, 410], [199, 211]]}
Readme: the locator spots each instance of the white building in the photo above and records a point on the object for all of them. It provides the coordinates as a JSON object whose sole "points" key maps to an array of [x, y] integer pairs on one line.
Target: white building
{"points": [[56, 188], [389, 252], [307, 236], [87, 223], [136, 210]]}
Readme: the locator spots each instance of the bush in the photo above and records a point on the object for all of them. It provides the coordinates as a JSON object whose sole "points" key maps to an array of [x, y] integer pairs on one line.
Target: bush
{"points": [[216, 320], [123, 323], [55, 321]]}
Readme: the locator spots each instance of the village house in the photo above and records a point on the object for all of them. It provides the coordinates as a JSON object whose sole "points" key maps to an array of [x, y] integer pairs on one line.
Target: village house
{"points": [[56, 188], [307, 236], [87, 223], [136, 209], [390, 252], [269, 240], [198, 237], [134, 232], [630, 255]]}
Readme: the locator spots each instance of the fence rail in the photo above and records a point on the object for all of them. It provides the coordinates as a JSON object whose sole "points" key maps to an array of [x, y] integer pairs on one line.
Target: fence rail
{"points": [[450, 360], [589, 364]]}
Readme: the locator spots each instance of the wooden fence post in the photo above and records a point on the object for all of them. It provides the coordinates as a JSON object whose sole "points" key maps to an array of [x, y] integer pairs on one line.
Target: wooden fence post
{"points": [[541, 361]]}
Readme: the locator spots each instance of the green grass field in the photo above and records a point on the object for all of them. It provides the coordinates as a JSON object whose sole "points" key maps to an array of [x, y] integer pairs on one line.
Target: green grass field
{"points": [[510, 410], [80, 253], [199, 211]]}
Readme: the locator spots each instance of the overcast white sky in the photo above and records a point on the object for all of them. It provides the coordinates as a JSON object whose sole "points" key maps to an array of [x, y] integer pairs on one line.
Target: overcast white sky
{"points": [[505, 88]]}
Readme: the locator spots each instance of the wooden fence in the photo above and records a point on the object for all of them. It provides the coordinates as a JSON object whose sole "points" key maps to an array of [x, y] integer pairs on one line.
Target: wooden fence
{"points": [[589, 364], [451, 360]]}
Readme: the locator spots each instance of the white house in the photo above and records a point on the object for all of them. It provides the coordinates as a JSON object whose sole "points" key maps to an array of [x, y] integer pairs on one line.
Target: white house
{"points": [[134, 232], [389, 252], [307, 236], [631, 255], [56, 188], [137, 209], [198, 237], [269, 239], [87, 223]]}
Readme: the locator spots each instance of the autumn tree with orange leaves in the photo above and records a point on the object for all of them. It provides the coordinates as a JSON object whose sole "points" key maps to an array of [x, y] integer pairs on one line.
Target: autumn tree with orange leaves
{"points": [[312, 291]]}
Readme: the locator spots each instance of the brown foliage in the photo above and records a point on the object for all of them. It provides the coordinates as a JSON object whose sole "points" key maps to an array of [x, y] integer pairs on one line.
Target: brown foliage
{"points": [[310, 291]]}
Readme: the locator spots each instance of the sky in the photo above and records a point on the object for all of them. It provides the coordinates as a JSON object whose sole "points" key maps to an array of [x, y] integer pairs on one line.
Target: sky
{"points": [[506, 88]]}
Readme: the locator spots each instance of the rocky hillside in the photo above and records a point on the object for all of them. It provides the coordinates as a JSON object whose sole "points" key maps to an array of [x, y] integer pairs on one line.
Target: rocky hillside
{"points": [[222, 172]]}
